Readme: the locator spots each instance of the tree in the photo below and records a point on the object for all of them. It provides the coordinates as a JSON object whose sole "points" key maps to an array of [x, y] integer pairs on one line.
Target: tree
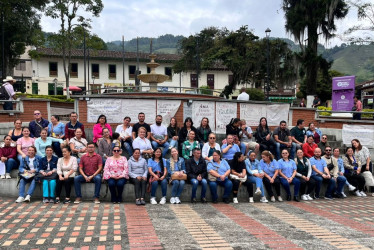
{"points": [[313, 18], [20, 23], [67, 12]]}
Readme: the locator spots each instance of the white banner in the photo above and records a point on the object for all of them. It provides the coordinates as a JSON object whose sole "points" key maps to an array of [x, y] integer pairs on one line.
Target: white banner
{"points": [[364, 133], [275, 113], [251, 113], [111, 108], [225, 111], [167, 109], [202, 109], [187, 112], [132, 107]]}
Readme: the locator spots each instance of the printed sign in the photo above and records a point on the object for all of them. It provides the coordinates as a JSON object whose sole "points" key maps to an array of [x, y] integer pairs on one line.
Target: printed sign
{"points": [[167, 109], [364, 133], [252, 113], [275, 113], [343, 91], [108, 107], [132, 107], [225, 111], [202, 109]]}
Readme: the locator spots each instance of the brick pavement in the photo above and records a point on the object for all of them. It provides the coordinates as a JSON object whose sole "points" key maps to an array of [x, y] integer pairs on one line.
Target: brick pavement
{"points": [[334, 224]]}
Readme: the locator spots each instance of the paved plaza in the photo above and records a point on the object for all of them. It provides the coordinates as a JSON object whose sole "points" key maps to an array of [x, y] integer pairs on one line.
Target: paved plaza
{"points": [[320, 224]]}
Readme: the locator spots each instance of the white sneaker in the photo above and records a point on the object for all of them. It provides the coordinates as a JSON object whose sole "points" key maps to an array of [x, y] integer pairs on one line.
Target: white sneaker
{"points": [[258, 191], [153, 201], [163, 200], [363, 194], [20, 199], [263, 199], [250, 199], [177, 200], [235, 200], [28, 198], [280, 199], [351, 188], [2, 176], [172, 200], [343, 194], [7, 176], [357, 193], [304, 197], [309, 197], [272, 199]]}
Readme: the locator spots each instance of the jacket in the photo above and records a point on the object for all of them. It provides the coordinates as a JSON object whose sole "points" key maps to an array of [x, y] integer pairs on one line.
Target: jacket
{"points": [[35, 129], [182, 135], [43, 164], [203, 131], [193, 169], [179, 166], [8, 152], [138, 168], [27, 160]]}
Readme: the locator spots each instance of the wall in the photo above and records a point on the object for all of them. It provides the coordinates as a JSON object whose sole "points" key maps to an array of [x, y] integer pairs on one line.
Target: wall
{"points": [[28, 107]]}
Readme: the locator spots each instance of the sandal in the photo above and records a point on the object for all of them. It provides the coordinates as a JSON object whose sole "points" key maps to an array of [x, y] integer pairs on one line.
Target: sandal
{"points": [[67, 201]]}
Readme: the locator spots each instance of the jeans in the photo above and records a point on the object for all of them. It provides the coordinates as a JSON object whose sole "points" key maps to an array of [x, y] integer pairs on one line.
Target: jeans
{"points": [[116, 189], [49, 187], [127, 146], [165, 146], [78, 180], [279, 147], [243, 147], [194, 183], [173, 143], [140, 187], [330, 187], [8, 106], [10, 164], [57, 149], [258, 181], [213, 188], [177, 188], [67, 183], [22, 187], [286, 186], [269, 185], [164, 186], [341, 182]]}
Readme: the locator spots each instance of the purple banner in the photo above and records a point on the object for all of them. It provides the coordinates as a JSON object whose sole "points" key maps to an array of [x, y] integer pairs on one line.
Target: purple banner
{"points": [[343, 91]]}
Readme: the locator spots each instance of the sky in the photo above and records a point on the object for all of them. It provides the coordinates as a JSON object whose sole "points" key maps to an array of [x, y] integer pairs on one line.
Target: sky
{"points": [[150, 18]]}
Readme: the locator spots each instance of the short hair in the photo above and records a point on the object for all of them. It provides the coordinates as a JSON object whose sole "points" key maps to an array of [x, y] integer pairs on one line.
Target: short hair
{"points": [[283, 121], [73, 113], [115, 136], [142, 128], [300, 121], [218, 152], [127, 117], [195, 149], [159, 116], [136, 149], [49, 146], [90, 143], [328, 147], [310, 136], [32, 146], [141, 113]]}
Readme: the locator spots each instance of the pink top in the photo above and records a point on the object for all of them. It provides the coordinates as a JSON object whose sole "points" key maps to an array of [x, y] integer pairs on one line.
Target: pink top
{"points": [[98, 131], [359, 105], [118, 168], [25, 144]]}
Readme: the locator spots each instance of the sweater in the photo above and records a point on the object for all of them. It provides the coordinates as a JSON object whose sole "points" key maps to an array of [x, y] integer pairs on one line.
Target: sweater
{"points": [[137, 167]]}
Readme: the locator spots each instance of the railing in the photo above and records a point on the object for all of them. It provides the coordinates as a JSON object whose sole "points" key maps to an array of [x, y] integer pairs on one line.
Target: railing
{"points": [[19, 107], [348, 114]]}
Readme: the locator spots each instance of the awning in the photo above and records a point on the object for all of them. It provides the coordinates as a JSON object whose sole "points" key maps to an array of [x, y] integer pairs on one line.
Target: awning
{"points": [[282, 99]]}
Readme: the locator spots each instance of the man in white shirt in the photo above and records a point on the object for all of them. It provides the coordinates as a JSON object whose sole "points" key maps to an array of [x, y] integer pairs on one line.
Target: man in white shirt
{"points": [[159, 136], [8, 85], [243, 95]]}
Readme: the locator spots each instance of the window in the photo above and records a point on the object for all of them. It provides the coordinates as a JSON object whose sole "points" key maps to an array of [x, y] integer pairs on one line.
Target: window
{"points": [[74, 70], [112, 71], [132, 70], [21, 66], [148, 70], [51, 89], [210, 81], [95, 70], [53, 69], [193, 80], [169, 72]]}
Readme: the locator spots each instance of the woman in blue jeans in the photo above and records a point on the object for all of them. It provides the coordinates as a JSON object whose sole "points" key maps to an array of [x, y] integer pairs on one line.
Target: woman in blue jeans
{"points": [[219, 170], [287, 171], [29, 165], [255, 175], [157, 174], [176, 166], [48, 168]]}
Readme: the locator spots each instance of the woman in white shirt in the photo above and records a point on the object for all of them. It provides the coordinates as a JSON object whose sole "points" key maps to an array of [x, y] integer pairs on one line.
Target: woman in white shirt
{"points": [[141, 142], [210, 147], [125, 132]]}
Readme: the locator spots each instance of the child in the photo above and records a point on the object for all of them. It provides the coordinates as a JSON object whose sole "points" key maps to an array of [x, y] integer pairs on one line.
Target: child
{"points": [[116, 142]]}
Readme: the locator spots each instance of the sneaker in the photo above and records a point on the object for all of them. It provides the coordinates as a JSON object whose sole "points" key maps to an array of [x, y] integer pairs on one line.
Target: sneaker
{"points": [[193, 201], [137, 202], [177, 200], [309, 197], [250, 199], [45, 200], [28, 198], [163, 200], [363, 194], [351, 188], [2, 176], [263, 199], [20, 199], [172, 200], [328, 197], [357, 193], [203, 200], [96, 201], [258, 191], [77, 201], [67, 201], [304, 197], [7, 176], [280, 199], [142, 202], [153, 201], [272, 199], [57, 200], [343, 194], [235, 200], [226, 200]]}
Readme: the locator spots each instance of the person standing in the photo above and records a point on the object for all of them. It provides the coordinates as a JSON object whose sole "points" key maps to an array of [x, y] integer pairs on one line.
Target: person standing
{"points": [[243, 95], [357, 107], [36, 126], [8, 85], [159, 136], [72, 125]]}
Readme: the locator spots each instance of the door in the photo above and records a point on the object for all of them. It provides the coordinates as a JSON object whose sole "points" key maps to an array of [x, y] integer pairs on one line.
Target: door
{"points": [[35, 88], [193, 80], [210, 81]]}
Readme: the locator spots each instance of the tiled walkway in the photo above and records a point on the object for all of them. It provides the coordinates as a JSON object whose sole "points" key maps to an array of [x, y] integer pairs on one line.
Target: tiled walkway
{"points": [[337, 224]]}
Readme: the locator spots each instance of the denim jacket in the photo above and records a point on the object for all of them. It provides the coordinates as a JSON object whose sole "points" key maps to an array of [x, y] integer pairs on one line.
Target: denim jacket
{"points": [[253, 166], [36, 163], [179, 166]]}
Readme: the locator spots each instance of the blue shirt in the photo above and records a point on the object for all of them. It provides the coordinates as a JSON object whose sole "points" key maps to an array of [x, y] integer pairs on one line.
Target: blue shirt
{"points": [[41, 145], [220, 168], [340, 165], [320, 165], [253, 165], [287, 167], [270, 168], [59, 129], [156, 165], [229, 155]]}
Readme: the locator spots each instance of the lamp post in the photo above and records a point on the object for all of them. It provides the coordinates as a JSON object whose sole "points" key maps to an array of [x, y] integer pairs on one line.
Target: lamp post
{"points": [[267, 32], [55, 84]]}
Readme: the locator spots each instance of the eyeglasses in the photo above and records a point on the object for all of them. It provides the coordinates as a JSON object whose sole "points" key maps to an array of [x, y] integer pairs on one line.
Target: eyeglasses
{"points": [[36, 113], [324, 138], [116, 151], [212, 138], [328, 150]]}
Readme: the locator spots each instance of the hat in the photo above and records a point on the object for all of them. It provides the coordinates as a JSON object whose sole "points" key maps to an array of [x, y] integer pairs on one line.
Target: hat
{"points": [[9, 79]]}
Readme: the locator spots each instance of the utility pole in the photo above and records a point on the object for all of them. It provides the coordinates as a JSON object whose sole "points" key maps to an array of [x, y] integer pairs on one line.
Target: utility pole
{"points": [[84, 59], [123, 62], [2, 42], [137, 83]]}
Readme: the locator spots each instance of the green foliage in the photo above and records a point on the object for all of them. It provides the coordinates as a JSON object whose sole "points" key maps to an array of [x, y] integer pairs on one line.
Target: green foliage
{"points": [[300, 95], [369, 116], [324, 108], [55, 98], [205, 90], [255, 94]]}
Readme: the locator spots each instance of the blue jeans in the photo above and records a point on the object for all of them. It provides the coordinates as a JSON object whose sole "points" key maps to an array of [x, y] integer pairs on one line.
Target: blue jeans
{"points": [[22, 187], [243, 147], [10, 164], [195, 183], [341, 180], [78, 180], [213, 188], [164, 186], [330, 187], [279, 147], [49, 188], [258, 182], [173, 143], [165, 146], [8, 106], [286, 186], [116, 189], [177, 188], [127, 146]]}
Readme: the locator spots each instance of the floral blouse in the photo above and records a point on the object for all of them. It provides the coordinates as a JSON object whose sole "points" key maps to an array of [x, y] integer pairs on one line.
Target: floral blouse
{"points": [[116, 167]]}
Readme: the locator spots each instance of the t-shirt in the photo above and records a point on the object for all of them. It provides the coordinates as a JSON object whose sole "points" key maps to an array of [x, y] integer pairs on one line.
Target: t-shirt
{"points": [[159, 132], [137, 126], [316, 100], [229, 155], [287, 167], [243, 136], [270, 168], [319, 163], [25, 144], [243, 97], [282, 134], [298, 133]]}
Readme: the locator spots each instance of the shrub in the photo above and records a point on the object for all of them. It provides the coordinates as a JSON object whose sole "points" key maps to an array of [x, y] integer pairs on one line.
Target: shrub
{"points": [[205, 90], [55, 98], [299, 95], [324, 108], [256, 94]]}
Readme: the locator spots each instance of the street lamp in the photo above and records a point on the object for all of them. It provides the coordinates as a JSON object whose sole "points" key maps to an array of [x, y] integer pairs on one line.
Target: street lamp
{"points": [[55, 83], [267, 32]]}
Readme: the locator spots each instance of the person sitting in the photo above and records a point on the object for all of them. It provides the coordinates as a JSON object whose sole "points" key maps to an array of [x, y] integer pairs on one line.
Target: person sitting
{"points": [[173, 131], [159, 136], [315, 132], [47, 174], [233, 128], [283, 139], [90, 167], [116, 142], [362, 154], [287, 172], [304, 171], [141, 123], [245, 135], [352, 167], [99, 127], [56, 129], [16, 133], [184, 131], [143, 144], [219, 171], [176, 167], [66, 169], [271, 171], [43, 141], [36, 126], [105, 145], [197, 173], [72, 126], [78, 144], [230, 148], [323, 143], [24, 143], [263, 136], [27, 170], [157, 171], [255, 175], [8, 153], [336, 155], [189, 145], [125, 134], [138, 171], [321, 173], [210, 147], [309, 147], [203, 131], [298, 134], [116, 173]]}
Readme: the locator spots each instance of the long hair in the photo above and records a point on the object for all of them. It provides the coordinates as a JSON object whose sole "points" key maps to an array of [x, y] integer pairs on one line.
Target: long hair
{"points": [[188, 119], [100, 116], [235, 160], [268, 154], [176, 125], [346, 155], [266, 125], [207, 125], [359, 147], [161, 159]]}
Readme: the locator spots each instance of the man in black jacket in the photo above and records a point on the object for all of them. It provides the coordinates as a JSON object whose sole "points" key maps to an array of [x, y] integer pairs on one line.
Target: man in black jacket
{"points": [[197, 173]]}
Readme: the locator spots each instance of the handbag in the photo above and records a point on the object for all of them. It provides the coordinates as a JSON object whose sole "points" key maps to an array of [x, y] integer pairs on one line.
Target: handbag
{"points": [[53, 176], [241, 179], [26, 175], [369, 180], [178, 177]]}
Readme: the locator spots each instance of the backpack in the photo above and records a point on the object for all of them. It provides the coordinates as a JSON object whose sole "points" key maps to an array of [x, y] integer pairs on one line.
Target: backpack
{"points": [[3, 93]]}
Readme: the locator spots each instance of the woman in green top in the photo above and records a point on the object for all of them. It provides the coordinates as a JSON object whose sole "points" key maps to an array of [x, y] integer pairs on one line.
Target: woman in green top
{"points": [[189, 145]]}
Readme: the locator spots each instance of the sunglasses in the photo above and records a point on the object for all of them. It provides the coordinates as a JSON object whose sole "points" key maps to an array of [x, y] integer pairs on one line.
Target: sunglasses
{"points": [[212, 138], [328, 150], [37, 114], [324, 137], [116, 151]]}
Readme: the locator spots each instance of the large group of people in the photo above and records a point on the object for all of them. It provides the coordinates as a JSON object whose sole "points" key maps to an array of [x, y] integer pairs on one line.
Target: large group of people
{"points": [[55, 154]]}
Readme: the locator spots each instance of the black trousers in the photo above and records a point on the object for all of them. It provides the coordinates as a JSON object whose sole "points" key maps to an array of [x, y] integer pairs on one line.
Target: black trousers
{"points": [[67, 183], [269, 185], [236, 185], [303, 184], [140, 187], [358, 181]]}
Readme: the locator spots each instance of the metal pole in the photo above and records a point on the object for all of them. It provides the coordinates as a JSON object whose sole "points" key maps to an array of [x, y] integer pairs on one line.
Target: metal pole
{"points": [[3, 42], [268, 71], [84, 58], [137, 64], [123, 61], [88, 67], [55, 83]]}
